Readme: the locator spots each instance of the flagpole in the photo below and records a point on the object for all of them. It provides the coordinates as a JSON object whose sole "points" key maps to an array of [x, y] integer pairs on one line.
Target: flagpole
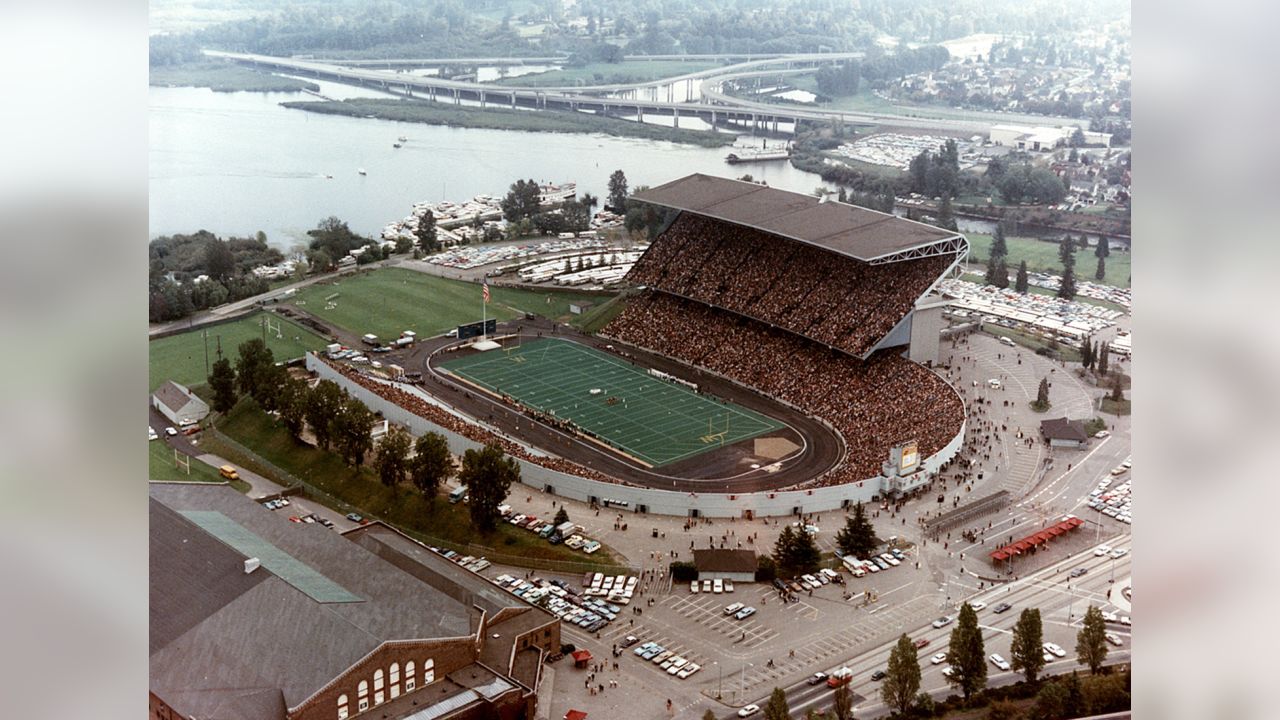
{"points": [[484, 311]]}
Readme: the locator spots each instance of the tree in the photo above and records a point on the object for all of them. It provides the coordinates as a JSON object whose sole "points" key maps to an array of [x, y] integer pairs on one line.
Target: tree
{"points": [[795, 551], [351, 429], [1091, 640], [428, 240], [255, 357], [1027, 647], [1001, 275], [1051, 702], [1042, 396], [1086, 352], [1067, 291], [1117, 390], [391, 459], [292, 404], [999, 246], [1067, 251], [776, 708], [1021, 284], [323, 403], [924, 705], [522, 200], [222, 381], [966, 653], [1101, 272], [1002, 710], [857, 537], [431, 465], [1103, 249], [618, 192], [946, 219], [562, 516], [219, 262], [1102, 360], [1075, 705], [842, 703], [709, 714], [488, 475], [589, 201], [902, 681]]}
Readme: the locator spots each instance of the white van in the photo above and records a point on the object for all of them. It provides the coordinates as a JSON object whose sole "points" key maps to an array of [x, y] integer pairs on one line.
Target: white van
{"points": [[994, 384], [1007, 341]]}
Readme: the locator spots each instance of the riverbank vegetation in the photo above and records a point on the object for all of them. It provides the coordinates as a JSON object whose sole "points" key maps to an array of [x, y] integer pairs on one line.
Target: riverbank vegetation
{"points": [[199, 271], [225, 77], [495, 118]]}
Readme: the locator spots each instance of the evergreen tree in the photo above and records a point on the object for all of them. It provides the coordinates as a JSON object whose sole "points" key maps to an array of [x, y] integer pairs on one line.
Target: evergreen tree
{"points": [[998, 244], [488, 475], [391, 458], [251, 368], [1002, 275], [1086, 358], [1075, 706], [1067, 291], [1117, 390], [709, 715], [431, 465], [1101, 272], [618, 192], [1042, 396], [857, 537], [1066, 251], [966, 653], [1027, 647], [1091, 640], [902, 681], [794, 552], [222, 381], [428, 240], [776, 708], [562, 516], [1101, 362], [1103, 248], [946, 217], [1022, 284]]}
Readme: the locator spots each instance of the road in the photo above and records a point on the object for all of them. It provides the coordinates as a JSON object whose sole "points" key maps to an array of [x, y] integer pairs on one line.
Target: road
{"points": [[1061, 601]]}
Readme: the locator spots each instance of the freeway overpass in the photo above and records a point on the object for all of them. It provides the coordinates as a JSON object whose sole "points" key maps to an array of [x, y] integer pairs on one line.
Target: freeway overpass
{"points": [[618, 99]]}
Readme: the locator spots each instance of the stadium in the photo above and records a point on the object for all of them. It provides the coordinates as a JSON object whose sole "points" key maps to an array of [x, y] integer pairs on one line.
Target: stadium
{"points": [[772, 359]]}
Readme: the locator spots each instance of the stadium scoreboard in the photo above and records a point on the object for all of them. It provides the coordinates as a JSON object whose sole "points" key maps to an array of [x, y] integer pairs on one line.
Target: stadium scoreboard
{"points": [[476, 329]]}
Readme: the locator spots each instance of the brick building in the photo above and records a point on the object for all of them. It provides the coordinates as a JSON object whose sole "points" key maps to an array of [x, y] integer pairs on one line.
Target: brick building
{"points": [[256, 617]]}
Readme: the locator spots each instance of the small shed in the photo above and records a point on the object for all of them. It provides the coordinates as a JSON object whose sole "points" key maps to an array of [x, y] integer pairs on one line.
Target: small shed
{"points": [[735, 565], [575, 715], [578, 308], [1061, 432], [581, 658], [177, 403]]}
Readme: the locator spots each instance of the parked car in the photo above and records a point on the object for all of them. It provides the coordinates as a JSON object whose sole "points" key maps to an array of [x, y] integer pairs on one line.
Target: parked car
{"points": [[693, 586], [749, 710], [1055, 649], [745, 613], [717, 586], [629, 640], [171, 431], [353, 517], [734, 608]]}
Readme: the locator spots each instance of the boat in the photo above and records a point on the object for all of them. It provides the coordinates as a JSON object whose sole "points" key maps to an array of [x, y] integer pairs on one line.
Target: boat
{"points": [[395, 145], [327, 176], [746, 156], [402, 138], [362, 172]]}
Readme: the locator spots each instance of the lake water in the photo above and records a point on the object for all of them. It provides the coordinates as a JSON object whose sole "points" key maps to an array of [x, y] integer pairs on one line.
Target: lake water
{"points": [[236, 163]]}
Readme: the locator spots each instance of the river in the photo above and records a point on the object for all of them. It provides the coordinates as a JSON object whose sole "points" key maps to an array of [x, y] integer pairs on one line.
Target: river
{"points": [[237, 163]]}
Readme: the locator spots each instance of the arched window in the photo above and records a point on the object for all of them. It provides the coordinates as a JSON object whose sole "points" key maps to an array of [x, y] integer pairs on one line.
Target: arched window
{"points": [[377, 679], [362, 696], [409, 683], [394, 680], [342, 707], [428, 671]]}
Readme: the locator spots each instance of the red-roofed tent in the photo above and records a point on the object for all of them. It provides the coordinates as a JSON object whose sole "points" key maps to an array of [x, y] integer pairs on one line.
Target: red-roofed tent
{"points": [[575, 715], [581, 658]]}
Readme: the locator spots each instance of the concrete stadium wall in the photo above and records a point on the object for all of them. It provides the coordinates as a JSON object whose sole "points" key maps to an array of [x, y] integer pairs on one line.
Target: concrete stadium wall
{"points": [[659, 502]]}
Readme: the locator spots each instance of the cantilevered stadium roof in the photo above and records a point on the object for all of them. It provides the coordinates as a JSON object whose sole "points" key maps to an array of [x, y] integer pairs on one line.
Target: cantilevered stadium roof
{"points": [[857, 232]]}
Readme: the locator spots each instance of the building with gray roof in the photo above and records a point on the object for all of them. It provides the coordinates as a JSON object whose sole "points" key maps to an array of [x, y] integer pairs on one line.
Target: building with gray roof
{"points": [[253, 616]]}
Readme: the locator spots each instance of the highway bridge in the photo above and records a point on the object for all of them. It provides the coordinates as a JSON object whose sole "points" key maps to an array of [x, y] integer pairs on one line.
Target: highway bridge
{"points": [[623, 100]]}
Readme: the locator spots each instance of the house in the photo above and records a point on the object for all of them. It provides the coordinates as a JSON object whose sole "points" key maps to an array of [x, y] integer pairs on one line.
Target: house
{"points": [[735, 565], [1061, 432], [177, 403]]}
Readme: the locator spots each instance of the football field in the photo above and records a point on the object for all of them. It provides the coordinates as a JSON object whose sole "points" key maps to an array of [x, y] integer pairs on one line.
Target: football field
{"points": [[654, 420]]}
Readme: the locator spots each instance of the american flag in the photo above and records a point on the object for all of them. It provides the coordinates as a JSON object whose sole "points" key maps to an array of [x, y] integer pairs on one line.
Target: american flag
{"points": [[486, 291]]}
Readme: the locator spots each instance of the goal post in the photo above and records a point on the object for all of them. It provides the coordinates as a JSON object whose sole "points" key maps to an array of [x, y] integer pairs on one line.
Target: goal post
{"points": [[181, 461]]}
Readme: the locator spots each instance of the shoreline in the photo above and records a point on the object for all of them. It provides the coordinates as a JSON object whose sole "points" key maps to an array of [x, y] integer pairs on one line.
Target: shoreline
{"points": [[505, 119]]}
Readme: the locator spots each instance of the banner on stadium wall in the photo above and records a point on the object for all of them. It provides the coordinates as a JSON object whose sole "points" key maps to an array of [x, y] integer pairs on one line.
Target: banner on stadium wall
{"points": [[906, 457]]}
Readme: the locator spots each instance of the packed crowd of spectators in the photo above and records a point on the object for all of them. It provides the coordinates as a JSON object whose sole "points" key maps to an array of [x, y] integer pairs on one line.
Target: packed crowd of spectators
{"points": [[822, 295], [874, 404], [456, 424]]}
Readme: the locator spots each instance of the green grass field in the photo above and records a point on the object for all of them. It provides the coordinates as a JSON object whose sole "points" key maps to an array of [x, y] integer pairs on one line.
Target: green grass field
{"points": [[181, 357], [1042, 256], [657, 421], [160, 466], [389, 301]]}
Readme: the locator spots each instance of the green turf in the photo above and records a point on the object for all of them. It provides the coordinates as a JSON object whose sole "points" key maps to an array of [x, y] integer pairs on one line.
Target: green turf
{"points": [[1042, 256], [389, 301], [161, 466], [657, 421], [181, 357]]}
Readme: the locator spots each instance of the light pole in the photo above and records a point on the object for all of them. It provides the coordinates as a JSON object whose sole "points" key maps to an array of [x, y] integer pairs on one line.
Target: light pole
{"points": [[720, 684], [742, 688]]}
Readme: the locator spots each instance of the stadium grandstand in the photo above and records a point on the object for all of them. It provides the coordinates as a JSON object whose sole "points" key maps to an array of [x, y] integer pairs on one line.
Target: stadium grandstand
{"points": [[801, 300]]}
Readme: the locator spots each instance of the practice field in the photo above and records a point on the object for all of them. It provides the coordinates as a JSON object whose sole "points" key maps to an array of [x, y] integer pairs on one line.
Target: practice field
{"points": [[181, 357], [389, 301], [655, 420]]}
